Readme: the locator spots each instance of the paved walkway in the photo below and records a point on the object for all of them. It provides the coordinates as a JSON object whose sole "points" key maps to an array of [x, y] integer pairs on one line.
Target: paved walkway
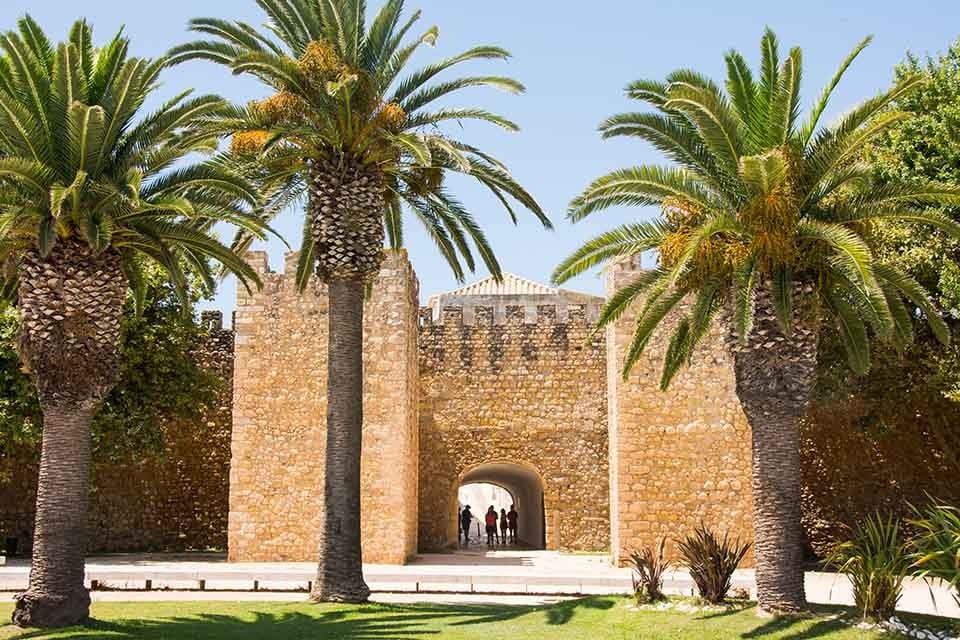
{"points": [[478, 572]]}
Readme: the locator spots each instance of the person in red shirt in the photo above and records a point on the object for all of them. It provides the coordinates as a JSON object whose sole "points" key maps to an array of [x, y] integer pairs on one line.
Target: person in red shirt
{"points": [[491, 521]]}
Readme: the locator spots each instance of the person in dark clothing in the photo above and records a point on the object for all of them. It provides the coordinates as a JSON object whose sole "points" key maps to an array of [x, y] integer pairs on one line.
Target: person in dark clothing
{"points": [[503, 526], [465, 519], [491, 521], [512, 518]]}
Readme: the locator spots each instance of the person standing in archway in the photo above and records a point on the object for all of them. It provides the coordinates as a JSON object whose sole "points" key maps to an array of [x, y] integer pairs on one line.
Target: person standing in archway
{"points": [[512, 518], [491, 520], [503, 526], [465, 519]]}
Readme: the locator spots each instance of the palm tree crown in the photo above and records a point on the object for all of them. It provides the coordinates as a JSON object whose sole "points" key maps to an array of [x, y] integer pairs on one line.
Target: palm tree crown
{"points": [[341, 97], [760, 202], [78, 164]]}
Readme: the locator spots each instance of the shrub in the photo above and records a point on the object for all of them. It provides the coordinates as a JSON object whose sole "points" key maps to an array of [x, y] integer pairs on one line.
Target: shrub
{"points": [[712, 561], [936, 549], [876, 560], [648, 570]]}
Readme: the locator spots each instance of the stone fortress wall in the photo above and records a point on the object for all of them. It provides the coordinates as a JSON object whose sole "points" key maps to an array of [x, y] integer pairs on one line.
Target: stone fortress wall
{"points": [[679, 457], [506, 383], [453, 397], [277, 458], [516, 385], [173, 499]]}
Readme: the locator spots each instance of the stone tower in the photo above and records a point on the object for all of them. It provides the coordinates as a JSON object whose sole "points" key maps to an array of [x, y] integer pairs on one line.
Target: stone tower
{"points": [[677, 457], [279, 417]]}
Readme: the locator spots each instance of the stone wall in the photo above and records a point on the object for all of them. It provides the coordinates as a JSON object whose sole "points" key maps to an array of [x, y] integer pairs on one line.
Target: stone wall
{"points": [[859, 458], [172, 500], [277, 464], [521, 385], [680, 457]]}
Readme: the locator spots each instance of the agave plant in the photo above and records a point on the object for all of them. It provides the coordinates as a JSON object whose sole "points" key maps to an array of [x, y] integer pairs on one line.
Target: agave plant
{"points": [[363, 139], [766, 223], [91, 189], [876, 560], [936, 550]]}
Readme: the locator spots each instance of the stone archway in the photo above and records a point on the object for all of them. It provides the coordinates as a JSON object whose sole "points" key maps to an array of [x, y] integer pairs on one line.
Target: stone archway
{"points": [[522, 384], [527, 488]]}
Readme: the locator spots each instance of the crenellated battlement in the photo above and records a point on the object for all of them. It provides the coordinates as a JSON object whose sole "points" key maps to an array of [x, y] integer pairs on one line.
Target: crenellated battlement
{"points": [[510, 314]]}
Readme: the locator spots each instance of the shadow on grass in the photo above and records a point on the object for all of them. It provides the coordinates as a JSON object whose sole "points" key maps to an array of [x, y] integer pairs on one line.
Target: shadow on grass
{"points": [[828, 620], [374, 622], [562, 613]]}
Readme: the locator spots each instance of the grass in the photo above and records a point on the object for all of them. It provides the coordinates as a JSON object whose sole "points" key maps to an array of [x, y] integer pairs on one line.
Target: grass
{"points": [[602, 618]]}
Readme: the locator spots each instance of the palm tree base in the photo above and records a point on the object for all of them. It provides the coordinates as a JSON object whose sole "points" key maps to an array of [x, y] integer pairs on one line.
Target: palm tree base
{"points": [[800, 611], [355, 594], [35, 609]]}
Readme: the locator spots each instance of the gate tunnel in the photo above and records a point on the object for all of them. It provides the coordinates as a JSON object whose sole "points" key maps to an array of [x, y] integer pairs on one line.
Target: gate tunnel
{"points": [[526, 487]]}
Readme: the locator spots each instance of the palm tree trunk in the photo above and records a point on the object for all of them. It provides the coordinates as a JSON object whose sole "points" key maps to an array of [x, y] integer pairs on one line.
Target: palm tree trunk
{"points": [[775, 375], [56, 596], [70, 305], [340, 571], [345, 219]]}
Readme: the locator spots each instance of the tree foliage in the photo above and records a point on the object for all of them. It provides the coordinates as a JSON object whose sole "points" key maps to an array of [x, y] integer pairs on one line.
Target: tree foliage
{"points": [[925, 146], [81, 158], [343, 89], [761, 198], [161, 379]]}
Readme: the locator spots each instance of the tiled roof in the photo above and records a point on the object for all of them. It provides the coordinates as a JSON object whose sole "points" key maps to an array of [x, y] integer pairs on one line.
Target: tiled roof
{"points": [[510, 285]]}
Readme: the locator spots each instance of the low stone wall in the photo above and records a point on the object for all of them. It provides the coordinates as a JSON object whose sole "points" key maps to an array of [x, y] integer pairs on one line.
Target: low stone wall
{"points": [[175, 500], [520, 385], [859, 459]]}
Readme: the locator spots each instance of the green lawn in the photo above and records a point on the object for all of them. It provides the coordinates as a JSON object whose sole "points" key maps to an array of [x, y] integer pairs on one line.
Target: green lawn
{"points": [[589, 618]]}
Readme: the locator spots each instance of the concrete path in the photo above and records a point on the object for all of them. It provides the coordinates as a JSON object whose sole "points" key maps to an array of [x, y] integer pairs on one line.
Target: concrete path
{"points": [[474, 573]]}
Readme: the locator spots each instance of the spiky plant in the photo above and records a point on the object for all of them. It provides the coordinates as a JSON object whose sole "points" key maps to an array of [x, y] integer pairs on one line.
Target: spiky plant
{"points": [[365, 143], [649, 568], [876, 559], [90, 189], [766, 221], [936, 548], [711, 561]]}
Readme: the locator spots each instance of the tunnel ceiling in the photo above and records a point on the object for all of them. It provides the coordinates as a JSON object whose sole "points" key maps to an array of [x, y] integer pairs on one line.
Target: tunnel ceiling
{"points": [[510, 476]]}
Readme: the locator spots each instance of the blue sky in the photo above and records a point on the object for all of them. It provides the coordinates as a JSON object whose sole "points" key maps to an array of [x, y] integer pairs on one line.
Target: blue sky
{"points": [[575, 59]]}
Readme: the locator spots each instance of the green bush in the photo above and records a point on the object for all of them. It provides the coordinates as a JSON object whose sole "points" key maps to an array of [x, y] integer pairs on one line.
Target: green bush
{"points": [[648, 570], [876, 560], [160, 380], [712, 561], [936, 549]]}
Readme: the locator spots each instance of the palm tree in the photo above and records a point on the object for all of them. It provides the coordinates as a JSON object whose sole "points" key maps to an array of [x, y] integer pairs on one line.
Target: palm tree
{"points": [[364, 144], [766, 221], [92, 190]]}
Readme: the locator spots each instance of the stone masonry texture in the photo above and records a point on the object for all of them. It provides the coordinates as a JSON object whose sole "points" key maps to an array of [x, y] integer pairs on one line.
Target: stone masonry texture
{"points": [[171, 500], [678, 457], [521, 385], [277, 458]]}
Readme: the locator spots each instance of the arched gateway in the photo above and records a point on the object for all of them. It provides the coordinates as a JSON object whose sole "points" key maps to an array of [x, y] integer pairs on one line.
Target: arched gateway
{"points": [[511, 380], [503, 383]]}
